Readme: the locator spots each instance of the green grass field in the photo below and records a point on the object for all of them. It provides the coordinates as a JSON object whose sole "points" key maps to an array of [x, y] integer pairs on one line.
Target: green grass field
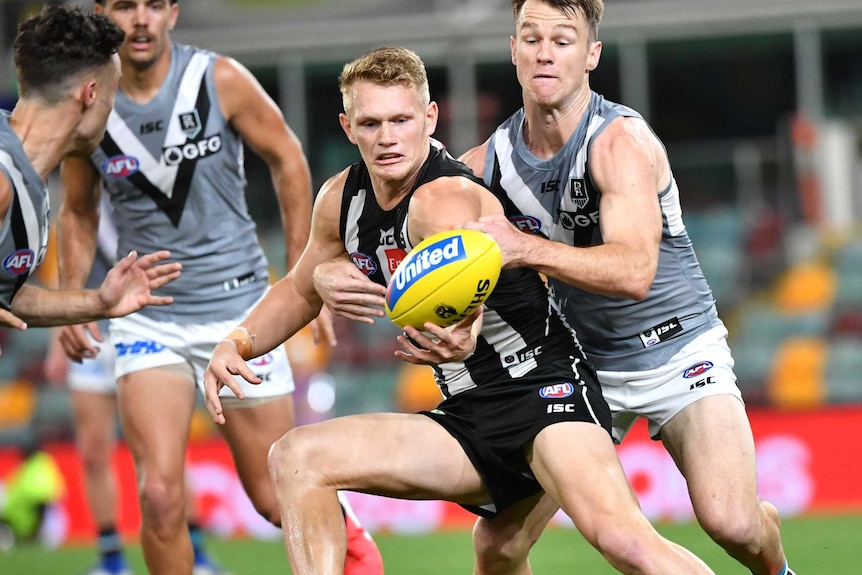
{"points": [[815, 545]]}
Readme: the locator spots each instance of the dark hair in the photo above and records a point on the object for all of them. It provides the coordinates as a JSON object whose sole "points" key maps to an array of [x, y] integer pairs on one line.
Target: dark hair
{"points": [[59, 43]]}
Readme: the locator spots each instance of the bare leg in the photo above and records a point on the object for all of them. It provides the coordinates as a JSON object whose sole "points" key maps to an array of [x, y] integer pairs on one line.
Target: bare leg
{"points": [[502, 544], [578, 466], [399, 455], [95, 437], [713, 447], [156, 406]]}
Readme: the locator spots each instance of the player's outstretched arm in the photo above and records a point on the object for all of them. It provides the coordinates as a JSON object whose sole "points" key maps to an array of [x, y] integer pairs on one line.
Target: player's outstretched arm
{"points": [[126, 289]]}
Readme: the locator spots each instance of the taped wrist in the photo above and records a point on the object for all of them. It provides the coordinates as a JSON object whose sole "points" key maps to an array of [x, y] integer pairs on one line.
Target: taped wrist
{"points": [[244, 342]]}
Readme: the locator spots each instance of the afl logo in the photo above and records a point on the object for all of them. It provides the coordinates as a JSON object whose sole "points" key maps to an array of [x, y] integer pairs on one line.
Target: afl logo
{"points": [[365, 263], [526, 224], [120, 166], [557, 391], [697, 369], [261, 361], [19, 262]]}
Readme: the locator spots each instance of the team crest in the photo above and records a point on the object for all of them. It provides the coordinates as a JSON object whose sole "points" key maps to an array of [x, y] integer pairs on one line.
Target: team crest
{"points": [[190, 123], [578, 192]]}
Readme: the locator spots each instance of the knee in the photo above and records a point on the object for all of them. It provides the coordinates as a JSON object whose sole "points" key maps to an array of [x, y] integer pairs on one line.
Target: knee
{"points": [[290, 459], [161, 500], [267, 507], [500, 547], [627, 541], [95, 453], [732, 526]]}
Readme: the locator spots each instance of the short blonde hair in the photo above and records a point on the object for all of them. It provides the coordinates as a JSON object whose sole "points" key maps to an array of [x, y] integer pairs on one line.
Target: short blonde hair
{"points": [[386, 66]]}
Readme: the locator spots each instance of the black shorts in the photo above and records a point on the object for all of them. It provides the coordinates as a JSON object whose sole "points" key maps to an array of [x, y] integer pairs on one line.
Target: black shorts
{"points": [[493, 423]]}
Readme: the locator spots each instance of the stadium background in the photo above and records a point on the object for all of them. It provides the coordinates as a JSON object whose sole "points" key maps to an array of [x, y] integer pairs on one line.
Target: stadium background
{"points": [[760, 105]]}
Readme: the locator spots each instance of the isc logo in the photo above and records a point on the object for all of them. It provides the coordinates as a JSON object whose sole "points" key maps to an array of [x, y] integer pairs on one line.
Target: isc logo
{"points": [[557, 391], [19, 262], [120, 166], [365, 263]]}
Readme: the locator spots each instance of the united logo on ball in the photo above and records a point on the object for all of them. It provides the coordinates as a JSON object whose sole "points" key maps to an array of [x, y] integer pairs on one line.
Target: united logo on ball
{"points": [[444, 279]]}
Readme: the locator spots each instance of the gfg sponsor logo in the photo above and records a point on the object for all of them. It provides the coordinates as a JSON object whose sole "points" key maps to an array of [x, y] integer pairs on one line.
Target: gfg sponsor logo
{"points": [[419, 264], [557, 391], [174, 155]]}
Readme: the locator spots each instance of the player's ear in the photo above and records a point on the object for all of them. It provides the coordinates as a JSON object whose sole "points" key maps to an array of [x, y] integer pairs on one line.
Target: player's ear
{"points": [[594, 53], [345, 125], [87, 92], [172, 16], [431, 116]]}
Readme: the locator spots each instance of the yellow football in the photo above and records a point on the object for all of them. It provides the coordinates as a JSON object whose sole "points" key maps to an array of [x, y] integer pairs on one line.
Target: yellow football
{"points": [[444, 279]]}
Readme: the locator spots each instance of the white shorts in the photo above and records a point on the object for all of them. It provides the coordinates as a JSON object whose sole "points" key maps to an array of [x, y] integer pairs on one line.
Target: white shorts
{"points": [[94, 375], [142, 343], [702, 368]]}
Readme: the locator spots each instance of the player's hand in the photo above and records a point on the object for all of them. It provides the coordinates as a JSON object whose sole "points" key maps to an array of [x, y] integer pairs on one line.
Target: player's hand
{"points": [[224, 364], [437, 344], [9, 319], [75, 343], [56, 364], [508, 237], [128, 285], [348, 292], [322, 326]]}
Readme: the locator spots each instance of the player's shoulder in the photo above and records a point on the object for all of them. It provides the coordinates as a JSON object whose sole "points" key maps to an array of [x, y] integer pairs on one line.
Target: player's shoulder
{"points": [[475, 157]]}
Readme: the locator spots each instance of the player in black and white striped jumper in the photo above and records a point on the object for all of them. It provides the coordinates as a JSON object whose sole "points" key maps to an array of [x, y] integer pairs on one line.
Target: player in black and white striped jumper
{"points": [[522, 410]]}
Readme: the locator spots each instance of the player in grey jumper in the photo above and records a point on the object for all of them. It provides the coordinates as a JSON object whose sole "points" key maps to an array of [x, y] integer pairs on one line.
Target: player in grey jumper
{"points": [[67, 74], [593, 185], [172, 164], [606, 227]]}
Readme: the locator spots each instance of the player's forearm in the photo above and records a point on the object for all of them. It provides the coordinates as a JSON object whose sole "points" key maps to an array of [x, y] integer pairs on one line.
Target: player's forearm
{"points": [[281, 313], [77, 240], [608, 269], [41, 307], [293, 187]]}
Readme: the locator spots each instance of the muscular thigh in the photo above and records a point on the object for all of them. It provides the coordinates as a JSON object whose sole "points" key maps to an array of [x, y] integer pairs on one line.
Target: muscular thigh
{"points": [[156, 407], [250, 432], [399, 455], [712, 444]]}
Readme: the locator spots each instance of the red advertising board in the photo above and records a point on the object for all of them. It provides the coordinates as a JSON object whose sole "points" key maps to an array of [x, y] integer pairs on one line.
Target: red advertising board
{"points": [[808, 462]]}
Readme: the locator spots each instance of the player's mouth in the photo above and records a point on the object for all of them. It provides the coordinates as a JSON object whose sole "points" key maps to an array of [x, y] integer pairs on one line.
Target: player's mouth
{"points": [[139, 41], [388, 158]]}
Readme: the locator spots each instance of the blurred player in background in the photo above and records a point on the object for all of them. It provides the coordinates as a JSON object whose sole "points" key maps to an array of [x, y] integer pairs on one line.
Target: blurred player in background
{"points": [[93, 392], [172, 164], [67, 71]]}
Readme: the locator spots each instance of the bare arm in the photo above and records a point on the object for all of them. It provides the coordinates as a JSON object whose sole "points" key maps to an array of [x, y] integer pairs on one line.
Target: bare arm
{"points": [[126, 289], [630, 166], [7, 318], [260, 123], [285, 309]]}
